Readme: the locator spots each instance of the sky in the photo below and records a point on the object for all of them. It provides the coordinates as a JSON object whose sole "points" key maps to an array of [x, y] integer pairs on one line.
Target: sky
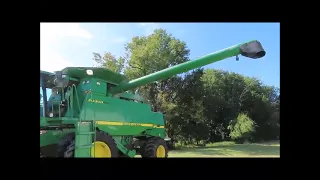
{"points": [[72, 44]]}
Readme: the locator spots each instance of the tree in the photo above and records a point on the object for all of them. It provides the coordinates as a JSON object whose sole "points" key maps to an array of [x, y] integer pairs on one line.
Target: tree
{"points": [[202, 106], [109, 61], [242, 128], [149, 54]]}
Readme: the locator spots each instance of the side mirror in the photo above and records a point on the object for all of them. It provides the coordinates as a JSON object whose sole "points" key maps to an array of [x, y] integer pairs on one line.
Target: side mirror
{"points": [[59, 80], [58, 75]]}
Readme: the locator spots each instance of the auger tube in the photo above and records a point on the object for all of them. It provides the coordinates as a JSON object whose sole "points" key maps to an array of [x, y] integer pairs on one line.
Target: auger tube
{"points": [[252, 49]]}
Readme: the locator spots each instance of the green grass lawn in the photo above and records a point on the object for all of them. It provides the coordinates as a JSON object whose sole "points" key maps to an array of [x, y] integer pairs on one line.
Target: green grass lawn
{"points": [[229, 149]]}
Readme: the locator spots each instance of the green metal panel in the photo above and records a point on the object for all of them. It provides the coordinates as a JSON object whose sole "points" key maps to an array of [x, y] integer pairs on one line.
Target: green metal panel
{"points": [[93, 84], [49, 137], [119, 117]]}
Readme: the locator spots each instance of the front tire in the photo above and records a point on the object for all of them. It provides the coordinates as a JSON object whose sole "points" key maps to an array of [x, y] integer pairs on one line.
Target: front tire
{"points": [[103, 147], [155, 147], [66, 146]]}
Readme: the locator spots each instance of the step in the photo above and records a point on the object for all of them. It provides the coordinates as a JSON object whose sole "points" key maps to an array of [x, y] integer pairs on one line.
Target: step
{"points": [[85, 146], [86, 133], [84, 136]]}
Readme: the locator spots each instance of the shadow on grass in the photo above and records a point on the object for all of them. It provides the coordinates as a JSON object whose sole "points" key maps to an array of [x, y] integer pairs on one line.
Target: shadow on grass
{"points": [[230, 150]]}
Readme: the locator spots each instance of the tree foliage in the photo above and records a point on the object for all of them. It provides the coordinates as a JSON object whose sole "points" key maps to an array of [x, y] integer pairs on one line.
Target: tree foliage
{"points": [[109, 61], [242, 128], [201, 106]]}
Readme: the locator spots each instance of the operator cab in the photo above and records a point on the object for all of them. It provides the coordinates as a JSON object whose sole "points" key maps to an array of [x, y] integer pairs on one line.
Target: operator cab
{"points": [[50, 95], [54, 88], [45, 91]]}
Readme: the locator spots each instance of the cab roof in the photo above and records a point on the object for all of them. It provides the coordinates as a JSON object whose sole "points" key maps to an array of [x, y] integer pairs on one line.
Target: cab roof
{"points": [[101, 73], [47, 77]]}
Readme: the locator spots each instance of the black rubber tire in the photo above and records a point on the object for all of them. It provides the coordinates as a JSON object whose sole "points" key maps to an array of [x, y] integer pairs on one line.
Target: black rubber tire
{"points": [[106, 138], [67, 145], [149, 149]]}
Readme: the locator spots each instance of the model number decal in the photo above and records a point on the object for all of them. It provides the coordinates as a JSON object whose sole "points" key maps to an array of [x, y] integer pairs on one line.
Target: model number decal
{"points": [[132, 124], [95, 101], [117, 123]]}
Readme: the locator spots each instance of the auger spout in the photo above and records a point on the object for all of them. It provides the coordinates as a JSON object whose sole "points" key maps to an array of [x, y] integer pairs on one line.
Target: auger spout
{"points": [[252, 49]]}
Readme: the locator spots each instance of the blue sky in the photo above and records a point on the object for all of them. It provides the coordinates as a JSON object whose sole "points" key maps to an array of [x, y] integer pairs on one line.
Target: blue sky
{"points": [[72, 44]]}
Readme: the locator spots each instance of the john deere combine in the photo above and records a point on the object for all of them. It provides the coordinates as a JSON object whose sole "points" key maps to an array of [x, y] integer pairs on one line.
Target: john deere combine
{"points": [[91, 113]]}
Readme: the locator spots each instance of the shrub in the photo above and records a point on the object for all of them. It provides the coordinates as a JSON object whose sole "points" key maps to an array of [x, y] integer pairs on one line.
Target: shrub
{"points": [[242, 128]]}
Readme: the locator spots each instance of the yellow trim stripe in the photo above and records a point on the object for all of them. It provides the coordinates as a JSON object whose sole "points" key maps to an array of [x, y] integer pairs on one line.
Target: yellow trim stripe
{"points": [[110, 123]]}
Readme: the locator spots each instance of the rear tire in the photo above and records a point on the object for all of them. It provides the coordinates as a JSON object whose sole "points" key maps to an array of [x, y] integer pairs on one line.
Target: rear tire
{"points": [[66, 145], [155, 147]]}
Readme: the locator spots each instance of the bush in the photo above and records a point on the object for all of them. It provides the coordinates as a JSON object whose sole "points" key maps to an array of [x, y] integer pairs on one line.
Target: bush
{"points": [[242, 128]]}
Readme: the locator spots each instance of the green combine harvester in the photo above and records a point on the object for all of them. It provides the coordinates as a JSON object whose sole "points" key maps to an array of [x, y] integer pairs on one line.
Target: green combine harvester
{"points": [[91, 112]]}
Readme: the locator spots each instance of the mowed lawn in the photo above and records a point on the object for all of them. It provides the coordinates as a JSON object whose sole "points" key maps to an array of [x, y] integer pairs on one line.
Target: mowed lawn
{"points": [[229, 149]]}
